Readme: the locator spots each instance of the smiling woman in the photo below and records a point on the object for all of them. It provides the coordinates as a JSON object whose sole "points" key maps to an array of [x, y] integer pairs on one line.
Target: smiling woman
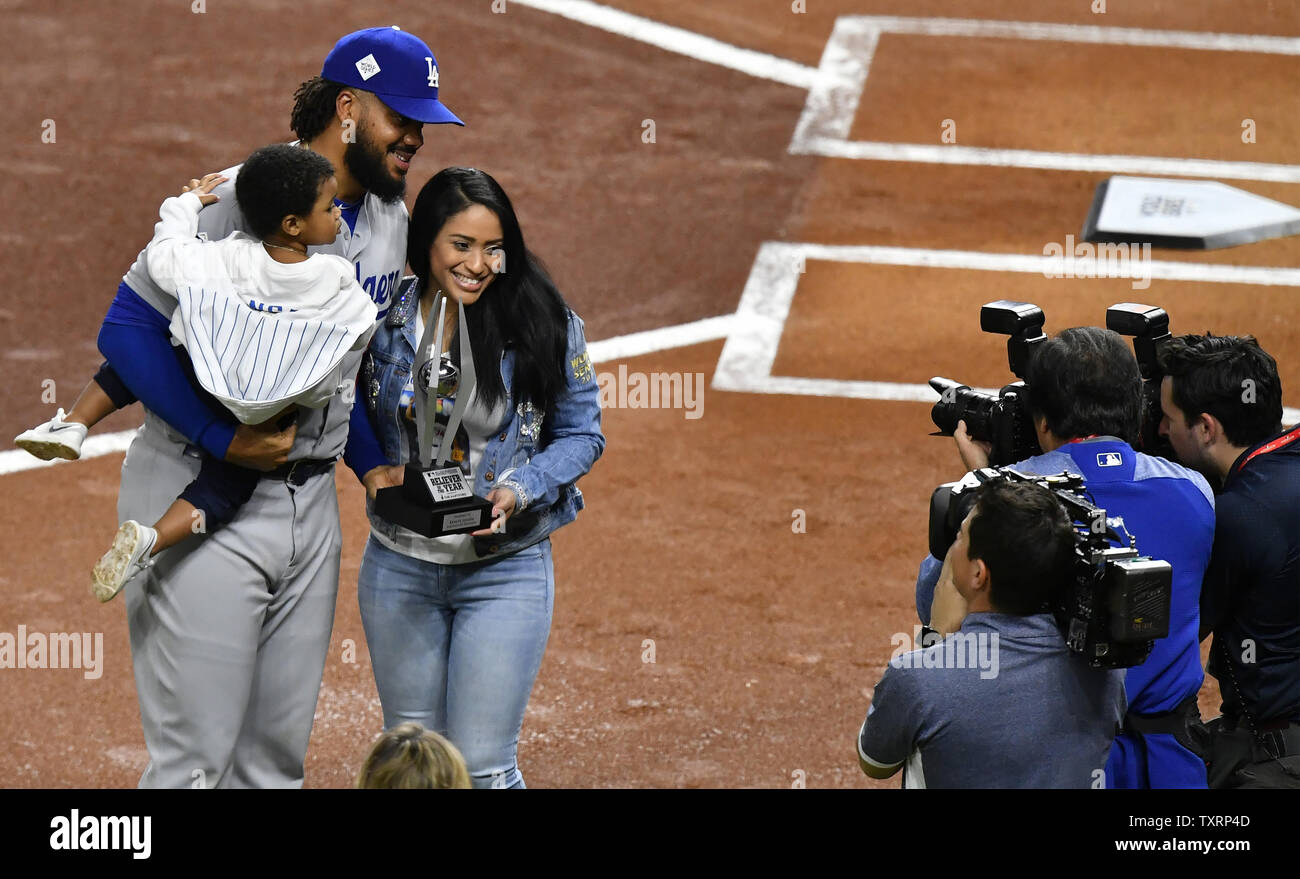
{"points": [[466, 255], [457, 625]]}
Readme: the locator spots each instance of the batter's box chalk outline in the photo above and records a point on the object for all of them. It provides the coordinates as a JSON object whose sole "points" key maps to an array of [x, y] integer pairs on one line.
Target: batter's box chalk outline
{"points": [[754, 335], [824, 125]]}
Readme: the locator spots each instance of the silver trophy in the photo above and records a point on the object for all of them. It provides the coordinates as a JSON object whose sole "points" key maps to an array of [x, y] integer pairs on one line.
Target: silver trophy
{"points": [[435, 499]]}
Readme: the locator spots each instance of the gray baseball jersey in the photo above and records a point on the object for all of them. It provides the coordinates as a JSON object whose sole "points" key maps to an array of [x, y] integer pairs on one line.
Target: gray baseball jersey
{"points": [[377, 250]]}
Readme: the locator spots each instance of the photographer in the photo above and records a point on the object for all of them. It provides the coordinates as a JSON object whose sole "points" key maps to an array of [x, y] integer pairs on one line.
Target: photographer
{"points": [[1084, 396], [1042, 718], [1222, 404]]}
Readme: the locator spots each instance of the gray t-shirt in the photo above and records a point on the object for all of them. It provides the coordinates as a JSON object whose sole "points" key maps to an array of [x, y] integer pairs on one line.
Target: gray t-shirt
{"points": [[1001, 703]]}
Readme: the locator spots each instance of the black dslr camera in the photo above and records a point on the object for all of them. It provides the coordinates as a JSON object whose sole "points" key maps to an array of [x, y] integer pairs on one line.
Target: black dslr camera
{"points": [[1117, 603], [1149, 327], [1002, 420]]}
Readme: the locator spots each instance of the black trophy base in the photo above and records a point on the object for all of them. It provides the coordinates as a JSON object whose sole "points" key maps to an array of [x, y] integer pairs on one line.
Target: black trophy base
{"points": [[412, 506]]}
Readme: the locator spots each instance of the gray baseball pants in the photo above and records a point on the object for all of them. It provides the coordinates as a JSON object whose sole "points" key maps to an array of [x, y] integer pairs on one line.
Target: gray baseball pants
{"points": [[229, 630]]}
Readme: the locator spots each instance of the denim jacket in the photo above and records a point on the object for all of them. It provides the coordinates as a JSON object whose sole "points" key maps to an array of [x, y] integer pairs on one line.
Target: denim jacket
{"points": [[538, 455]]}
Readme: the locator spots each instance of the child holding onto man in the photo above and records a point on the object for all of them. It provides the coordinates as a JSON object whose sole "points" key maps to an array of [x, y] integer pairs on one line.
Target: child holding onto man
{"points": [[265, 327]]}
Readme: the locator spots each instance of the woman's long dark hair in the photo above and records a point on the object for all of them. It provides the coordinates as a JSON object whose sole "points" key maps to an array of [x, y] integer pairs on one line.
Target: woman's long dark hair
{"points": [[521, 308]]}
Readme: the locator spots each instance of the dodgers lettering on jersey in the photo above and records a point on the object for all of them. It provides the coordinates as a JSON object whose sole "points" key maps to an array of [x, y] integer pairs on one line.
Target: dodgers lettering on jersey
{"points": [[380, 288]]}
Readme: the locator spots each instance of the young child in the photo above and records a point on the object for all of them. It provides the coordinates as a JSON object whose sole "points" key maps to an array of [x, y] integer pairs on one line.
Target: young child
{"points": [[410, 757], [265, 327]]}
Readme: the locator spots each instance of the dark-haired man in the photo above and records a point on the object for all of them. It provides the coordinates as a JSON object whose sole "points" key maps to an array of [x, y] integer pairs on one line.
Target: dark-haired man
{"points": [[1084, 395], [1037, 716], [229, 634], [1222, 403]]}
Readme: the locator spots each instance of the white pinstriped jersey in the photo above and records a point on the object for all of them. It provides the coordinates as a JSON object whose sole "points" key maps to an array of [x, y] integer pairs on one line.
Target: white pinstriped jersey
{"points": [[261, 334], [376, 247]]}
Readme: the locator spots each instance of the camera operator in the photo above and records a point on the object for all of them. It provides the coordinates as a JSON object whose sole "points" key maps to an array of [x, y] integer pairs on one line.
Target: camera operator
{"points": [[1222, 401], [1084, 396], [1043, 718]]}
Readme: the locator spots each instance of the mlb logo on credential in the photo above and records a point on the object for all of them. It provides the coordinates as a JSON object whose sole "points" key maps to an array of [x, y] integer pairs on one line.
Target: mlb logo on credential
{"points": [[1109, 459]]}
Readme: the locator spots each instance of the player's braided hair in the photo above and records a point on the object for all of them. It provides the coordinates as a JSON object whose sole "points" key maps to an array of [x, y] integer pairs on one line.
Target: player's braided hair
{"points": [[313, 107]]}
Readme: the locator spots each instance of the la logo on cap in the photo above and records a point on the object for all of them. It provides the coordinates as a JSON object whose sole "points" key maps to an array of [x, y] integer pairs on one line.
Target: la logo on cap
{"points": [[386, 61]]}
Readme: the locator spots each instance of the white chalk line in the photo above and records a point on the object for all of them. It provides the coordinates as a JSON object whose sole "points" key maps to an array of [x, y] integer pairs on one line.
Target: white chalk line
{"points": [[678, 41], [991, 157], [747, 358], [1084, 267], [835, 87], [1081, 33], [823, 127], [603, 351], [889, 391], [16, 460], [661, 339]]}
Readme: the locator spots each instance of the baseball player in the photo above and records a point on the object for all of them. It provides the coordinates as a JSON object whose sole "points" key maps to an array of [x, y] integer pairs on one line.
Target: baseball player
{"points": [[229, 633]]}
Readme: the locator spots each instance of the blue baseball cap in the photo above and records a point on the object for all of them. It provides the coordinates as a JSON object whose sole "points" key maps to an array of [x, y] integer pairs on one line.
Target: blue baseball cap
{"points": [[396, 66]]}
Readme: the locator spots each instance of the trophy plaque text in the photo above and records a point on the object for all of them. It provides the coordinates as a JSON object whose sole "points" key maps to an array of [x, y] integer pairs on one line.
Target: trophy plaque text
{"points": [[435, 498]]}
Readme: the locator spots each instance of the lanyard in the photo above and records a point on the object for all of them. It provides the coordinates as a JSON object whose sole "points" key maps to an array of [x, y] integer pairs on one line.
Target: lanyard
{"points": [[1272, 446]]}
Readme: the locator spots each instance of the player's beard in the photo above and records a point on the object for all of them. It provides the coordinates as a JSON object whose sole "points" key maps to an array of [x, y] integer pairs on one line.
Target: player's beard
{"points": [[366, 162]]}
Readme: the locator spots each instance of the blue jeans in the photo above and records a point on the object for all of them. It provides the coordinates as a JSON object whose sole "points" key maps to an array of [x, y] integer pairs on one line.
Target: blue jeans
{"points": [[456, 648]]}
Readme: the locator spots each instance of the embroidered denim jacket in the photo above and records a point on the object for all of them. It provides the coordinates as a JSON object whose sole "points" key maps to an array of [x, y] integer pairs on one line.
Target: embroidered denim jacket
{"points": [[539, 455]]}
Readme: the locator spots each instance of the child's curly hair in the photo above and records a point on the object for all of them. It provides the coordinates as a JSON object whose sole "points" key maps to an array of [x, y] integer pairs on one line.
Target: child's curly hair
{"points": [[279, 180]]}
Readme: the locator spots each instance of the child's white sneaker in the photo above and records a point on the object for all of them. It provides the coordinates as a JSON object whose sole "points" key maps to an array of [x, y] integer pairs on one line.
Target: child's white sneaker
{"points": [[128, 557], [55, 438]]}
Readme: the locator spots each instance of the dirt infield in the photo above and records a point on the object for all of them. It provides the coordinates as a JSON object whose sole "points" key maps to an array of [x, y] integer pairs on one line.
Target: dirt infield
{"points": [[765, 642]]}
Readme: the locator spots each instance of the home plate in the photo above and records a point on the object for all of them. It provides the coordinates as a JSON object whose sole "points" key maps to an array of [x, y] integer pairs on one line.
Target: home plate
{"points": [[1186, 214]]}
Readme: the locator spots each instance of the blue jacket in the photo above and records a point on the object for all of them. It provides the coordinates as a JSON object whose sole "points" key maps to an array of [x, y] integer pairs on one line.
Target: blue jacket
{"points": [[539, 455]]}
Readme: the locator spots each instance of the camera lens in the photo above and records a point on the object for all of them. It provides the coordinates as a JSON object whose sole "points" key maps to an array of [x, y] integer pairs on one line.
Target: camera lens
{"points": [[958, 402]]}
